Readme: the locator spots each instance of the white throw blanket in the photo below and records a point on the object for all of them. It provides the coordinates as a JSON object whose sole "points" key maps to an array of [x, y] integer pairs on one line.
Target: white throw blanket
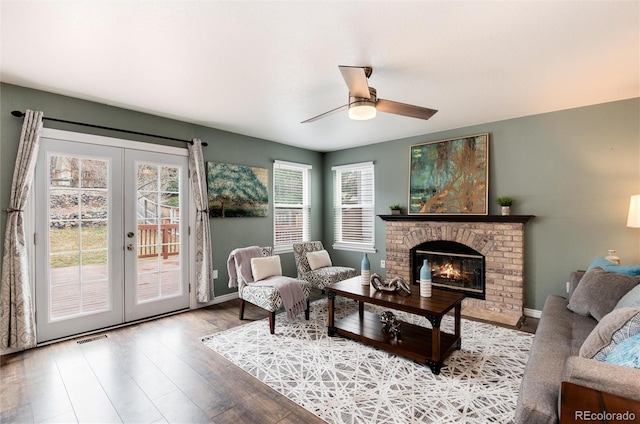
{"points": [[293, 299]]}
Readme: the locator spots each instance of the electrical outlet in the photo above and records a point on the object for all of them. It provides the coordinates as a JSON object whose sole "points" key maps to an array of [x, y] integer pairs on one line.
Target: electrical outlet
{"points": [[382, 263], [568, 287], [215, 274]]}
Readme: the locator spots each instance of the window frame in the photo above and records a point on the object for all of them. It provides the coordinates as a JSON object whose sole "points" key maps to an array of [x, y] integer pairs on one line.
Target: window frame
{"points": [[367, 223], [305, 206]]}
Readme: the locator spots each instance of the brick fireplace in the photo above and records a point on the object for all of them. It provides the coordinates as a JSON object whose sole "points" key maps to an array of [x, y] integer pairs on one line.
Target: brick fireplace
{"points": [[499, 238]]}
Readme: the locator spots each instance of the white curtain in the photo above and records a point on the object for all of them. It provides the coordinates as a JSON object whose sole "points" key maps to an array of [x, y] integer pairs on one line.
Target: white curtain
{"points": [[17, 320], [204, 264]]}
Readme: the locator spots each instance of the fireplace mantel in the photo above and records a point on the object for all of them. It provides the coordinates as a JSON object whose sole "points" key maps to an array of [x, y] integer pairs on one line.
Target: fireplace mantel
{"points": [[459, 218]]}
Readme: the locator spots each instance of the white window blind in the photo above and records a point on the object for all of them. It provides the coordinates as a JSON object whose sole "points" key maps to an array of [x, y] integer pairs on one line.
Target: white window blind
{"points": [[291, 205], [354, 207]]}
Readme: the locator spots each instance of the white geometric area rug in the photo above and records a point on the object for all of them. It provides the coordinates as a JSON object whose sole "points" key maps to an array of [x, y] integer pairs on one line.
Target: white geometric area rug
{"points": [[343, 381]]}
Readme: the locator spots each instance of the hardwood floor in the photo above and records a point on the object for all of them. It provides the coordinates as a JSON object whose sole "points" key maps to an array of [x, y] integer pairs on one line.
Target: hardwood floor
{"points": [[157, 371]]}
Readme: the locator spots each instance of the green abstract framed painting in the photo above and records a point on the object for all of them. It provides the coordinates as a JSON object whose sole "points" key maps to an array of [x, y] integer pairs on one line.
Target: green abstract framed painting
{"points": [[237, 190], [450, 176]]}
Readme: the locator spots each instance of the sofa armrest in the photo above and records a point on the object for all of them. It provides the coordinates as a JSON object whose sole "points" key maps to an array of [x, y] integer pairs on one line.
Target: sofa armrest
{"points": [[615, 379]]}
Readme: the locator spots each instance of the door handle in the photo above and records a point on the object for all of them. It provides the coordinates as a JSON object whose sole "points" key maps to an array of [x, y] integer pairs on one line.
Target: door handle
{"points": [[130, 247]]}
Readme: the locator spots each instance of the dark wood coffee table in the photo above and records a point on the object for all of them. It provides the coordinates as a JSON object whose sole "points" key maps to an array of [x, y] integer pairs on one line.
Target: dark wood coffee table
{"points": [[424, 345]]}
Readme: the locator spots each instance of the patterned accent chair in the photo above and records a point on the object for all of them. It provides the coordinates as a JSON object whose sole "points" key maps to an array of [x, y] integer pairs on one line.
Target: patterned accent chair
{"points": [[321, 277], [266, 297]]}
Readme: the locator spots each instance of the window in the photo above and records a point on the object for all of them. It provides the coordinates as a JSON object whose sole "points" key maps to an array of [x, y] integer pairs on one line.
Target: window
{"points": [[291, 205], [354, 207]]}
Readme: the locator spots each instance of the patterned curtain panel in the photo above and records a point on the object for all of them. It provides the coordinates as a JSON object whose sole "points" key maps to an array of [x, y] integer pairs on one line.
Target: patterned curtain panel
{"points": [[204, 265], [17, 321]]}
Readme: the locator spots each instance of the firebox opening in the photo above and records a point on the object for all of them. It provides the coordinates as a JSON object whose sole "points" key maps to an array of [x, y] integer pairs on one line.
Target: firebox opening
{"points": [[454, 266]]}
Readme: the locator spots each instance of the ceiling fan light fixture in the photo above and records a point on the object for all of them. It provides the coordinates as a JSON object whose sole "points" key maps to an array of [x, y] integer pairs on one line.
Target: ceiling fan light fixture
{"points": [[362, 110]]}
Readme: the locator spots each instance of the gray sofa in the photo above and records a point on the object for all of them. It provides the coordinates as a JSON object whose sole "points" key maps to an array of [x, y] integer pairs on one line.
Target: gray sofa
{"points": [[554, 358]]}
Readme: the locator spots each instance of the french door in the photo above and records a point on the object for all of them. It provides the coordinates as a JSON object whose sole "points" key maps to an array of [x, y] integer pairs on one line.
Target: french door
{"points": [[111, 236]]}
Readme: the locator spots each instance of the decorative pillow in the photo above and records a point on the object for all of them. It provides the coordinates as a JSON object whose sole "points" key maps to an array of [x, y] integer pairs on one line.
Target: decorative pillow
{"points": [[262, 268], [627, 353], [631, 299], [319, 259], [632, 270], [599, 292], [612, 330]]}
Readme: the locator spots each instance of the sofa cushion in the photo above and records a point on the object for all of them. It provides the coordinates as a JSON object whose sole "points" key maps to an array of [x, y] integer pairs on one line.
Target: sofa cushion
{"points": [[632, 270], [613, 329], [630, 300], [319, 259], [262, 268], [599, 291], [627, 353]]}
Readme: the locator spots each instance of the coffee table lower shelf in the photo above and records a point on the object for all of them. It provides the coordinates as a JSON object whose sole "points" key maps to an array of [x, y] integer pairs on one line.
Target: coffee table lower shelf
{"points": [[415, 342]]}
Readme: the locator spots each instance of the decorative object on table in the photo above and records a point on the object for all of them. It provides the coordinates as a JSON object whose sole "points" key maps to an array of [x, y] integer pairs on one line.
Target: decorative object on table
{"points": [[237, 190], [425, 279], [505, 203], [390, 324], [395, 209], [450, 176], [633, 219], [365, 271], [395, 285], [612, 256]]}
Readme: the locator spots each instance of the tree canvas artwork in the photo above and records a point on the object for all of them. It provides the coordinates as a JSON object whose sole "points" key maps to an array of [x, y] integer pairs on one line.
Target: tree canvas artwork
{"points": [[237, 190], [450, 176]]}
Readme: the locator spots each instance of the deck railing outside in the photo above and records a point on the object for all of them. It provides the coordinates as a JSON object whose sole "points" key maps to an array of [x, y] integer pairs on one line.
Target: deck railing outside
{"points": [[148, 240]]}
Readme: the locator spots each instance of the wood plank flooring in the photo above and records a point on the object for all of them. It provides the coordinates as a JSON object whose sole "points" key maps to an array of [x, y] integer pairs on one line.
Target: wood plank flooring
{"points": [[153, 372]]}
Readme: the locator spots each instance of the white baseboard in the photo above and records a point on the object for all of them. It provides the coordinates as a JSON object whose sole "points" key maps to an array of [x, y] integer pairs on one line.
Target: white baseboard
{"points": [[532, 313], [224, 298], [218, 299]]}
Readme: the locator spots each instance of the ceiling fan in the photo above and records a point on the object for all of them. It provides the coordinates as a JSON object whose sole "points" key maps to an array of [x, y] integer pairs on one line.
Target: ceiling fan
{"points": [[364, 101]]}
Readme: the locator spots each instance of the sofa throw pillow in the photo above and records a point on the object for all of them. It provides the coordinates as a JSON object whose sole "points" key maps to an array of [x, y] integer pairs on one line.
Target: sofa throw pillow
{"points": [[319, 259], [631, 299], [632, 270], [627, 353], [262, 268], [612, 330], [599, 291]]}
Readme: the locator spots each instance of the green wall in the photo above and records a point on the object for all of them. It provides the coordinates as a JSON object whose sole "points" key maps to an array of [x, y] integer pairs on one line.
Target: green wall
{"points": [[226, 233], [575, 170]]}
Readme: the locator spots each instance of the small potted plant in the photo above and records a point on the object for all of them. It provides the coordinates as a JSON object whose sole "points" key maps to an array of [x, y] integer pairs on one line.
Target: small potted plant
{"points": [[395, 209], [505, 202]]}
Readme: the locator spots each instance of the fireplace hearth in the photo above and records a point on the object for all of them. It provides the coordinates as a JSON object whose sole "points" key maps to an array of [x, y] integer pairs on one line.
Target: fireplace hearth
{"points": [[499, 239], [454, 267]]}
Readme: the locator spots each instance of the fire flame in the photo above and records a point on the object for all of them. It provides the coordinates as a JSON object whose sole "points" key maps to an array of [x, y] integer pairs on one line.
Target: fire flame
{"points": [[447, 270]]}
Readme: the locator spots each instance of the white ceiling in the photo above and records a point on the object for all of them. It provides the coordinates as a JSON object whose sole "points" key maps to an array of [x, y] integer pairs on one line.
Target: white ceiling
{"points": [[260, 67]]}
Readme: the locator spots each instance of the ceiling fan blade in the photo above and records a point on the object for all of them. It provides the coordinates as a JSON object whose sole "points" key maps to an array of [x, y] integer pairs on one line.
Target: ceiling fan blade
{"points": [[356, 79], [398, 108], [315, 118]]}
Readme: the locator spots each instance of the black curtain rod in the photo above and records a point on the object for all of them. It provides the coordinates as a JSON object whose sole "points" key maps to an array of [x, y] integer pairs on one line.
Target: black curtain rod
{"points": [[19, 114]]}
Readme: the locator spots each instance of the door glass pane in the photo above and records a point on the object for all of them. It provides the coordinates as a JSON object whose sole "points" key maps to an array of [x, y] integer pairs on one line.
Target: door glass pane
{"points": [[158, 202], [78, 241]]}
